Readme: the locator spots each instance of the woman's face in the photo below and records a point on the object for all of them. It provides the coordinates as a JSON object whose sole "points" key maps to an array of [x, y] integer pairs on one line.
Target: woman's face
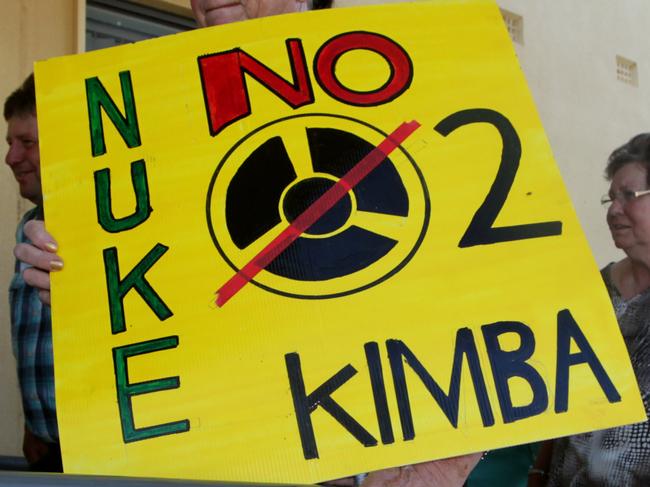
{"points": [[217, 12], [629, 222]]}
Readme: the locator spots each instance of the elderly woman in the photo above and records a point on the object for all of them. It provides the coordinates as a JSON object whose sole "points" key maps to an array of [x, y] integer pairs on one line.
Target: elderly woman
{"points": [[41, 254], [617, 456]]}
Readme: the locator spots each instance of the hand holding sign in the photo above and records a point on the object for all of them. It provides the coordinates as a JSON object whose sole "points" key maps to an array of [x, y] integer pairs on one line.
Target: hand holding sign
{"points": [[40, 256]]}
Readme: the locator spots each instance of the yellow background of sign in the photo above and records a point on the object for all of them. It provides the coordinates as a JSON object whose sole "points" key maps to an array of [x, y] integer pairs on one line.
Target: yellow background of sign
{"points": [[233, 381]]}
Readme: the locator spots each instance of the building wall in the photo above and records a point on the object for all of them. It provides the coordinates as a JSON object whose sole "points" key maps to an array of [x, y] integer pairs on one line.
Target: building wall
{"points": [[26, 34], [568, 55]]}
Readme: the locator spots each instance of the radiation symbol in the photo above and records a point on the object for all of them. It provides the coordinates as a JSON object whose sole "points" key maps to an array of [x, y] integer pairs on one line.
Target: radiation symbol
{"points": [[277, 171]]}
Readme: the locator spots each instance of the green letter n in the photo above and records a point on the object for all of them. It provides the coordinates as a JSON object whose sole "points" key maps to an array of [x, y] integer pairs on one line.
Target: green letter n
{"points": [[127, 125]]}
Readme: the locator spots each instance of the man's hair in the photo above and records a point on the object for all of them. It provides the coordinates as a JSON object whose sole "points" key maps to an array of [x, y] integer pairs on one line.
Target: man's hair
{"points": [[322, 4], [22, 101], [636, 150]]}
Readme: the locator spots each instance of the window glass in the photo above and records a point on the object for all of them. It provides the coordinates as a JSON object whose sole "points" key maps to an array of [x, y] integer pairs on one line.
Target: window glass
{"points": [[113, 22]]}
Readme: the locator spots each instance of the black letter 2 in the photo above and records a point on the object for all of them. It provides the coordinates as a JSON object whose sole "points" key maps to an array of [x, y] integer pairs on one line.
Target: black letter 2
{"points": [[480, 230]]}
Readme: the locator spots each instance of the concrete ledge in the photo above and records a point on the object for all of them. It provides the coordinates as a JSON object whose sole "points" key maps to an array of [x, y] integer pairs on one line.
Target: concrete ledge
{"points": [[29, 479]]}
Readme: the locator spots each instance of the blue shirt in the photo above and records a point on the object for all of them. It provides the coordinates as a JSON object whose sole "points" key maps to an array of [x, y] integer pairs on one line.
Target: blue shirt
{"points": [[31, 337]]}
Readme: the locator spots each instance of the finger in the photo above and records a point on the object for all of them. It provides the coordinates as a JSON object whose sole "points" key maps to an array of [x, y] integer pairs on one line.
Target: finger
{"points": [[466, 463], [389, 477], [344, 482], [41, 259], [44, 296], [37, 279], [36, 233], [450, 472]]}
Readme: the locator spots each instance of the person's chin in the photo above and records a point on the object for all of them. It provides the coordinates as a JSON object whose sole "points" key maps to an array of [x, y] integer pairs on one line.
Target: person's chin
{"points": [[31, 195], [225, 15], [622, 243]]}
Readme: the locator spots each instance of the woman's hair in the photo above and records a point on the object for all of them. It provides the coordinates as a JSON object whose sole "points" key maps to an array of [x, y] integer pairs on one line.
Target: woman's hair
{"points": [[321, 4], [636, 150]]}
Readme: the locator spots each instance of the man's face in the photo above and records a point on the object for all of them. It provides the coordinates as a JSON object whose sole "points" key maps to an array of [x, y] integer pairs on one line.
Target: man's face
{"points": [[23, 155], [217, 12]]}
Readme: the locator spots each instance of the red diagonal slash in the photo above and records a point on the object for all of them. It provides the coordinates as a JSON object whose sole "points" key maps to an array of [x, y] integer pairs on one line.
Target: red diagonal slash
{"points": [[315, 211]]}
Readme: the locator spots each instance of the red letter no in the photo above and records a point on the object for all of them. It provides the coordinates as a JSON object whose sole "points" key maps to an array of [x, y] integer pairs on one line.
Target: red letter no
{"points": [[401, 69], [225, 91]]}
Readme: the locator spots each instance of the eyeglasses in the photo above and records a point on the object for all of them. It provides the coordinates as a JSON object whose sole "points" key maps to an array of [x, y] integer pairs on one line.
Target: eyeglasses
{"points": [[623, 197]]}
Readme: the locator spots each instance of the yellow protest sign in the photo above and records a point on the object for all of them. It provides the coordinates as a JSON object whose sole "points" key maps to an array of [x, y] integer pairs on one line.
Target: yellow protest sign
{"points": [[400, 274]]}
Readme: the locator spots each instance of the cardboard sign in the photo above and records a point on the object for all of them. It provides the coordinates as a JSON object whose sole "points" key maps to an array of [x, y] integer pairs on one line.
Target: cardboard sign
{"points": [[399, 274]]}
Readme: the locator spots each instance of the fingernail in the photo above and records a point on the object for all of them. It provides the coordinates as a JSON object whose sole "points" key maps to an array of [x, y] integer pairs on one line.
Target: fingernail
{"points": [[56, 265], [51, 246]]}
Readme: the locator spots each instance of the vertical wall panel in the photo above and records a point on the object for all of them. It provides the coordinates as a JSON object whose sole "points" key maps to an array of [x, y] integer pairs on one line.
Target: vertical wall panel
{"points": [[29, 30]]}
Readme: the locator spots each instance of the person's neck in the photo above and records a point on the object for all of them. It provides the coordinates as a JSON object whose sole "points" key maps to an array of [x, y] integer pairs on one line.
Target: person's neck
{"points": [[633, 277], [37, 201]]}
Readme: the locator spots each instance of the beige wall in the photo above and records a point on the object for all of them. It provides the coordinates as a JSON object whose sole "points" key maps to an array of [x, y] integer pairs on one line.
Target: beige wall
{"points": [[26, 34], [569, 57]]}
